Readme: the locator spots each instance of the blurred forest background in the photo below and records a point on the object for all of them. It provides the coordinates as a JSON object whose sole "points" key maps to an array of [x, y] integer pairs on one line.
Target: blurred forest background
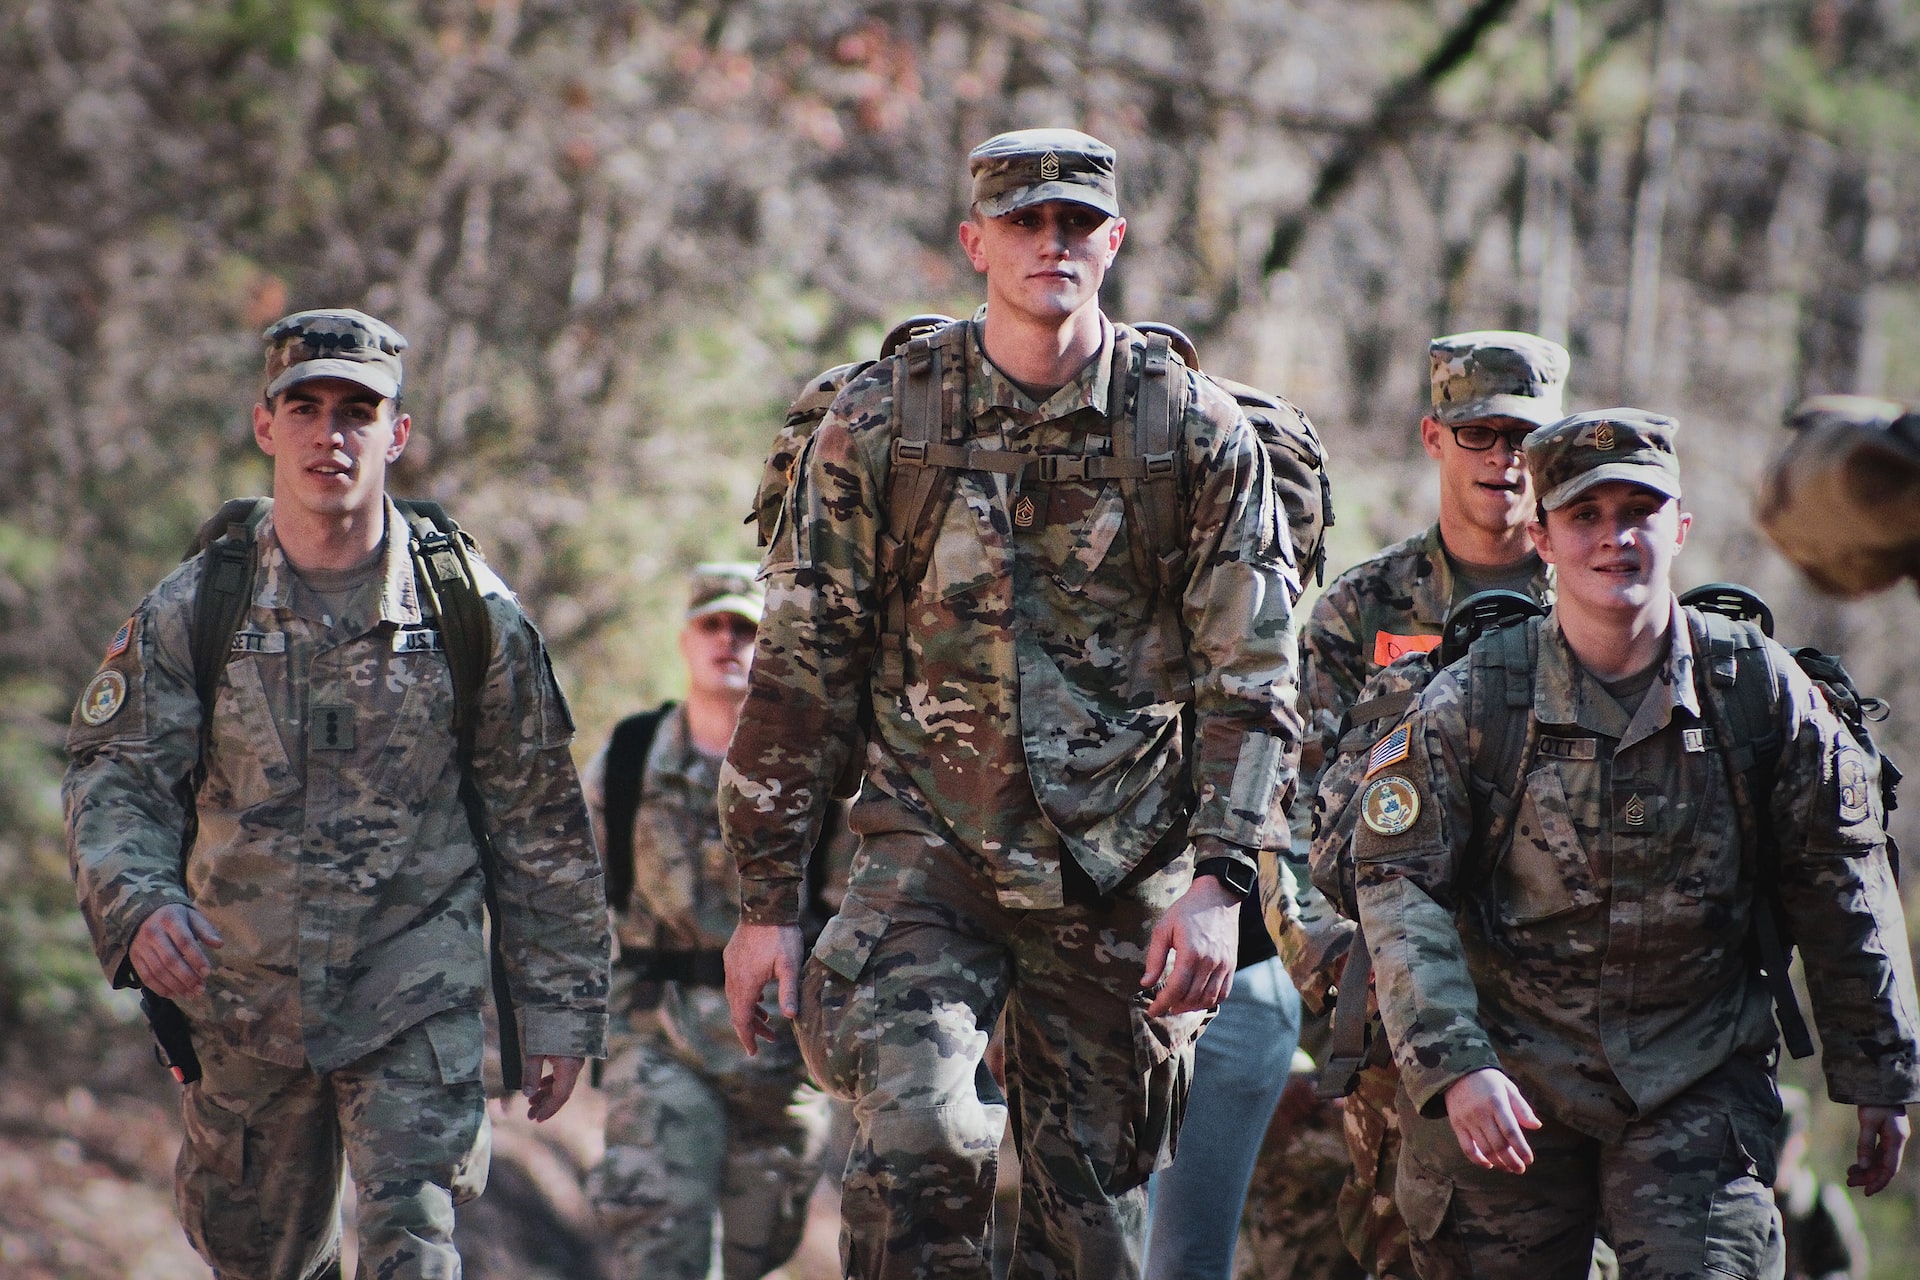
{"points": [[620, 234]]}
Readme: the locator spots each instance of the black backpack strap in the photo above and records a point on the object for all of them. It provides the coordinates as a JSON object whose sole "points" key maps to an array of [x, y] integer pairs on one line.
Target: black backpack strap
{"points": [[621, 785], [450, 594], [1735, 679], [1500, 702], [224, 592]]}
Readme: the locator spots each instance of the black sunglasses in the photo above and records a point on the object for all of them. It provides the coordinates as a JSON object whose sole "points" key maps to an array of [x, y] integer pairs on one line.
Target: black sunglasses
{"points": [[1478, 439]]}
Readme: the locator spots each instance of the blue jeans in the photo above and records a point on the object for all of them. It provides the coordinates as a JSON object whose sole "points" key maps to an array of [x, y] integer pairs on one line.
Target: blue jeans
{"points": [[1240, 1066]]}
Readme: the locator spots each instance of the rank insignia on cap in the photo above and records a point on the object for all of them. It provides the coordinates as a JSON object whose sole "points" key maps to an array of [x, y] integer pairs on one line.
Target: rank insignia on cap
{"points": [[1391, 749], [1390, 806], [1050, 167], [121, 639], [1850, 772], [106, 693], [1603, 436]]}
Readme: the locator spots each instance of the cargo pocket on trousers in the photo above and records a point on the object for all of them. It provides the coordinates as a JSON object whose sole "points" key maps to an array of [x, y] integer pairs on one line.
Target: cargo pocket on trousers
{"points": [[836, 1000], [1163, 1057], [1422, 1195], [1743, 1230]]}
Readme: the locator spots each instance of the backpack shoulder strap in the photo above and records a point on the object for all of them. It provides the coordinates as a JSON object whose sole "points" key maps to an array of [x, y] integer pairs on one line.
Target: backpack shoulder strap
{"points": [[929, 398], [1738, 686], [626, 773], [221, 598], [443, 574], [1147, 459]]}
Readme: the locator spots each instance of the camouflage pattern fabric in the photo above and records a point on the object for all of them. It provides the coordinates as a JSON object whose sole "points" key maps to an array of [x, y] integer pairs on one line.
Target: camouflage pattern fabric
{"points": [[1640, 819], [258, 1177], [1038, 719], [1370, 1217], [692, 1121], [1289, 1227], [898, 1001], [334, 853], [1682, 1193]]}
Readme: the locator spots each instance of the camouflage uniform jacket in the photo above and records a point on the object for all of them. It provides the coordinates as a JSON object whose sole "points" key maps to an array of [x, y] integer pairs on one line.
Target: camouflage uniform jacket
{"points": [[1620, 973], [1392, 603], [343, 875], [1038, 717], [686, 896]]}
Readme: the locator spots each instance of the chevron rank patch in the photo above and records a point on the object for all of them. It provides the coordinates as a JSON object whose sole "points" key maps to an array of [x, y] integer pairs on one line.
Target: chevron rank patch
{"points": [[1391, 749]]}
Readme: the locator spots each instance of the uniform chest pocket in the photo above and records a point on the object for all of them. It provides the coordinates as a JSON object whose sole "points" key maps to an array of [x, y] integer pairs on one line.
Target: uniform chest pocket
{"points": [[1706, 836], [247, 763], [971, 551], [1546, 872], [1096, 524], [406, 726]]}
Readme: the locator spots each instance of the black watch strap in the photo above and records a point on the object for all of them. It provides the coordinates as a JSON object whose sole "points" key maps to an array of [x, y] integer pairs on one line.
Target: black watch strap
{"points": [[1240, 879]]}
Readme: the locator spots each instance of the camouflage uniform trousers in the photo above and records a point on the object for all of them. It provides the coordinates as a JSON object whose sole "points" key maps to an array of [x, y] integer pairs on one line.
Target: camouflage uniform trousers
{"points": [[1370, 1221], [682, 1143], [897, 1004], [258, 1178], [1685, 1192], [1290, 1229]]}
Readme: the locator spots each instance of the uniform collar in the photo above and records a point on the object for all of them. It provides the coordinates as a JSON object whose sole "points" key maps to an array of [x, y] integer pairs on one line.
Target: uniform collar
{"points": [[988, 388], [1432, 596], [1563, 690], [399, 595]]}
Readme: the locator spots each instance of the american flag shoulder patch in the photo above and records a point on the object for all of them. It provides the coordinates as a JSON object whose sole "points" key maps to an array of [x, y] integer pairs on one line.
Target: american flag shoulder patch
{"points": [[1391, 749]]}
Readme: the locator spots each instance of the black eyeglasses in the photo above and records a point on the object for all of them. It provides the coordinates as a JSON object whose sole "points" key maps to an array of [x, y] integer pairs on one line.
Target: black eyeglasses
{"points": [[1478, 439]]}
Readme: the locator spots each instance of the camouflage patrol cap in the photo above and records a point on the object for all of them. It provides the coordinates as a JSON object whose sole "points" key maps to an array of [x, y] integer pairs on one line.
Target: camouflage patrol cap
{"points": [[335, 343], [1587, 449], [1497, 373], [726, 587], [1013, 170]]}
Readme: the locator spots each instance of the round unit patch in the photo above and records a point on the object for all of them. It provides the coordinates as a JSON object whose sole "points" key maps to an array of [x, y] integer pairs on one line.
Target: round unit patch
{"points": [[1389, 806], [1850, 771], [106, 693]]}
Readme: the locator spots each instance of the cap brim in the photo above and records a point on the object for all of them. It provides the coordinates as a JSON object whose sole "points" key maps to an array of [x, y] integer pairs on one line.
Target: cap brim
{"points": [[1541, 411], [1039, 193], [373, 377], [1646, 476], [743, 606]]}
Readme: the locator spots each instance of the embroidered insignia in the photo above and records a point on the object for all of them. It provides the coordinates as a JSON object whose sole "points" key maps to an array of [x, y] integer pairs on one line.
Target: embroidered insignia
{"points": [[259, 642], [1603, 436], [1049, 167], [1388, 646], [1390, 806], [121, 639], [1636, 811], [1391, 749], [332, 728], [417, 640], [1697, 740], [1850, 772], [106, 693], [1023, 512]]}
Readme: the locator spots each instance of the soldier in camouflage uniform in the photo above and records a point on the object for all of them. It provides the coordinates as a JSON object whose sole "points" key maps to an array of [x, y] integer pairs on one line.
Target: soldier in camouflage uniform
{"points": [[324, 937], [1582, 1037], [1032, 813], [1489, 388], [693, 1124]]}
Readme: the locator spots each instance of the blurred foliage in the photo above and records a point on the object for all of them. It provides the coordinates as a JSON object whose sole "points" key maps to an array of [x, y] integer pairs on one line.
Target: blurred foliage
{"points": [[620, 233]]}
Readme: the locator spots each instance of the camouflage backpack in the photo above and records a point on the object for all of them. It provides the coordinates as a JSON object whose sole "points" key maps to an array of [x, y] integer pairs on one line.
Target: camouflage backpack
{"points": [[1729, 626]]}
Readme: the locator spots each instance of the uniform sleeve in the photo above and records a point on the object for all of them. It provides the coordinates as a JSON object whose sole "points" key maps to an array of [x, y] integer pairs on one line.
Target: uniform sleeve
{"points": [[1837, 886], [549, 886], [1333, 668], [1241, 637], [1409, 848], [811, 660], [133, 740]]}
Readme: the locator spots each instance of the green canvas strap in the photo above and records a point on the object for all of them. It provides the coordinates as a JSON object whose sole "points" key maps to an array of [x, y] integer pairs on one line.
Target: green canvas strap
{"points": [[929, 389]]}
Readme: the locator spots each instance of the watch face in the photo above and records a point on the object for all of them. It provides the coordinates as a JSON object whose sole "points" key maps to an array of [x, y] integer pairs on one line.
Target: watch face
{"points": [[1238, 877]]}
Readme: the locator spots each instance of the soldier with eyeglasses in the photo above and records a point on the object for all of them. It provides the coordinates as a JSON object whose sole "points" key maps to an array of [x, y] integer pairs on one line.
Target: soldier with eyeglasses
{"points": [[1490, 388]]}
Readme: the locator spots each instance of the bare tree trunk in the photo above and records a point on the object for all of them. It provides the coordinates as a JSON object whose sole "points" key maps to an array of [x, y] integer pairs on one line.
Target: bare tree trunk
{"points": [[1650, 206], [1557, 253]]}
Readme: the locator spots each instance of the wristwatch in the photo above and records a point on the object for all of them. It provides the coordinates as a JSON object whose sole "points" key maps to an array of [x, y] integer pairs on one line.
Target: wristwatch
{"points": [[1240, 879]]}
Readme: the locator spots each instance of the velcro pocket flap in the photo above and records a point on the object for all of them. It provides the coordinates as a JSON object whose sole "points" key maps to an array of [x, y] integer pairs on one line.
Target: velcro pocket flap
{"points": [[850, 937]]}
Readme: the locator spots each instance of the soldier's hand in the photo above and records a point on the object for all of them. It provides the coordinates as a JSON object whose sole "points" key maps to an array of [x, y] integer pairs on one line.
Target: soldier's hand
{"points": [[756, 955], [169, 951], [1488, 1112], [1883, 1137], [550, 1083], [1202, 930]]}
